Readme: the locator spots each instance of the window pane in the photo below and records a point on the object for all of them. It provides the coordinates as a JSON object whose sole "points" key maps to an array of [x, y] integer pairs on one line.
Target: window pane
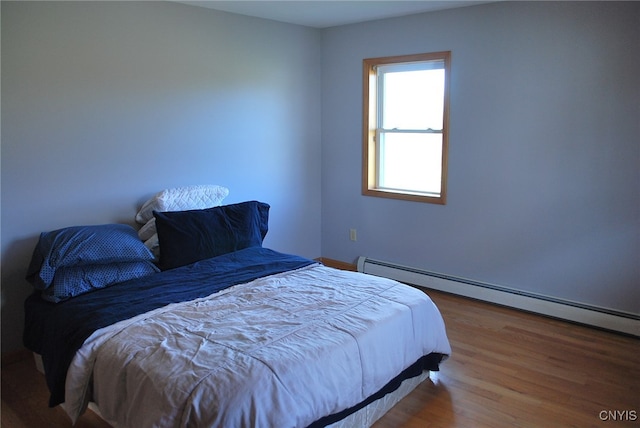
{"points": [[413, 99], [410, 162]]}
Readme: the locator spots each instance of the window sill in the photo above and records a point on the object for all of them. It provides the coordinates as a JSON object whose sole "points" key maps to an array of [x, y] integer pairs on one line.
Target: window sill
{"points": [[406, 196]]}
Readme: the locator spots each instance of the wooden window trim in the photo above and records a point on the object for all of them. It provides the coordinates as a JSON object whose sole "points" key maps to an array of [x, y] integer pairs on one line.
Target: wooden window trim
{"points": [[368, 131]]}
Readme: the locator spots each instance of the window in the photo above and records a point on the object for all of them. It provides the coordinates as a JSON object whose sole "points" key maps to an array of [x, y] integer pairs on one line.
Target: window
{"points": [[405, 127]]}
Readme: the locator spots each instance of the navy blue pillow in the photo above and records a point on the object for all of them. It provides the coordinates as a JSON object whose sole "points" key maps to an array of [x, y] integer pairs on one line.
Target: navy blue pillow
{"points": [[186, 237]]}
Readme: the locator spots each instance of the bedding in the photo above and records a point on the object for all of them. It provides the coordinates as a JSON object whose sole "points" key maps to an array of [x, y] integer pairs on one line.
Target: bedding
{"points": [[57, 331], [250, 353], [175, 199], [75, 260], [241, 336], [147, 231], [188, 236], [182, 198], [83, 245], [73, 281]]}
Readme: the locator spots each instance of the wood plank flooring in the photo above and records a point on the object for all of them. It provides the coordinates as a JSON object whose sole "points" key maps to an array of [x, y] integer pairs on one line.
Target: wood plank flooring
{"points": [[508, 368]]}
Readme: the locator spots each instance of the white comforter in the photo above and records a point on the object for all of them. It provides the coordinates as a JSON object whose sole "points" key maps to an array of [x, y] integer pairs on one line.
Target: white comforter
{"points": [[280, 351]]}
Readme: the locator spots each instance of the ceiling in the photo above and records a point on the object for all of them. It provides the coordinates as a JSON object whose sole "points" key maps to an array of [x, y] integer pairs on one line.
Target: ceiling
{"points": [[329, 13]]}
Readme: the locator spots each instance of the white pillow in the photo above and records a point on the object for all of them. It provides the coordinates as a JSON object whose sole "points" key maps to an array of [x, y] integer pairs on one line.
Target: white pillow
{"points": [[182, 198], [147, 230], [153, 245]]}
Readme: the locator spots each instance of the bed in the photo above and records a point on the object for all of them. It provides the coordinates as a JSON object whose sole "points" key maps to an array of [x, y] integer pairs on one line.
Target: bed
{"points": [[221, 331]]}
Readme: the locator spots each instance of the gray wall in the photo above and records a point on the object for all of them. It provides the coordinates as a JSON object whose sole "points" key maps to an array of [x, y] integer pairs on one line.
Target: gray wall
{"points": [[106, 103], [544, 153]]}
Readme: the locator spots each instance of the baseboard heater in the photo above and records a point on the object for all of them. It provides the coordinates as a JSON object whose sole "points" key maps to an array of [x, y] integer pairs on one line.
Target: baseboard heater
{"points": [[608, 319]]}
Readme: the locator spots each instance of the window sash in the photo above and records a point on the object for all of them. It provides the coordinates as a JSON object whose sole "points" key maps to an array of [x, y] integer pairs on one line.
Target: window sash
{"points": [[411, 164], [425, 109]]}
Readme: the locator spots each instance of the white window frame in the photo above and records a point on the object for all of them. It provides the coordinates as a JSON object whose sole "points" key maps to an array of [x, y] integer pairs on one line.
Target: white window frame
{"points": [[372, 106]]}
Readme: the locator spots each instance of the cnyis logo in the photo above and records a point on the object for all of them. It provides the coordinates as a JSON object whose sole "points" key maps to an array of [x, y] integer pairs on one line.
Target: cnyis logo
{"points": [[618, 415]]}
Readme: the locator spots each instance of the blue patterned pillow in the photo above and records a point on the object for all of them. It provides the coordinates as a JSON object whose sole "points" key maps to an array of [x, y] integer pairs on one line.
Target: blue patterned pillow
{"points": [[75, 280], [84, 245]]}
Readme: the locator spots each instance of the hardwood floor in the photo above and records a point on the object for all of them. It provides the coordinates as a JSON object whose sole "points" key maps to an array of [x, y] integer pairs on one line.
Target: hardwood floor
{"points": [[508, 368]]}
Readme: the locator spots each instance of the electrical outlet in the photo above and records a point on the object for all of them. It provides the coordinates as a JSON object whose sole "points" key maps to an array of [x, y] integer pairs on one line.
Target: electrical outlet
{"points": [[353, 235]]}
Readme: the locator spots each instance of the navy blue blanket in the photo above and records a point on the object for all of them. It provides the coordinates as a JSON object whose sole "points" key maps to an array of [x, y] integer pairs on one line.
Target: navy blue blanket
{"points": [[57, 331]]}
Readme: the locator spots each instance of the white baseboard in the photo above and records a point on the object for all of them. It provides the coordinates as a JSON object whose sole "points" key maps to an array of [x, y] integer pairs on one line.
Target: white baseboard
{"points": [[608, 319]]}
